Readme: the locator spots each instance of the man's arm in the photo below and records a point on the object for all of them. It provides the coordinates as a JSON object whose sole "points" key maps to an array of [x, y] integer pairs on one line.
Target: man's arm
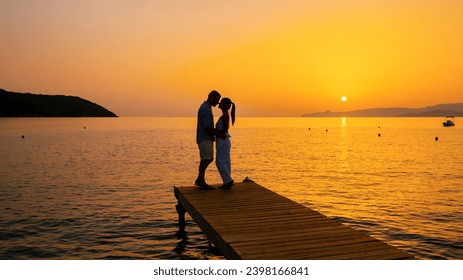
{"points": [[226, 125], [207, 124]]}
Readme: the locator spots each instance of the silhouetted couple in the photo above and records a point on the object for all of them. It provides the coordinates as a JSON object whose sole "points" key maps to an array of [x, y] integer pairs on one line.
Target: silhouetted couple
{"points": [[206, 134]]}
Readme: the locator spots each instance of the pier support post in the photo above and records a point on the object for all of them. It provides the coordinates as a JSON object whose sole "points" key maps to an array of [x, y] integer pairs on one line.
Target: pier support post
{"points": [[181, 220]]}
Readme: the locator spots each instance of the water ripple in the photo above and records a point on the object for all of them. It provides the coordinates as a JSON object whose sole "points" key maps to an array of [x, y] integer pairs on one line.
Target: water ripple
{"points": [[107, 193]]}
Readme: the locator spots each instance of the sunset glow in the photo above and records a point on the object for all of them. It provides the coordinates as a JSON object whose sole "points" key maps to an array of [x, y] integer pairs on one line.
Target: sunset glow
{"points": [[284, 58]]}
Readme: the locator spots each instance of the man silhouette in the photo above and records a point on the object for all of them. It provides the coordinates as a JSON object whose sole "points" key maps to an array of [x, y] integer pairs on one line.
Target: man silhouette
{"points": [[205, 137]]}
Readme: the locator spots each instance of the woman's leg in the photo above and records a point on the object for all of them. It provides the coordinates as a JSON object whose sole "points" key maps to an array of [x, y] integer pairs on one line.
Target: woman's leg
{"points": [[223, 161]]}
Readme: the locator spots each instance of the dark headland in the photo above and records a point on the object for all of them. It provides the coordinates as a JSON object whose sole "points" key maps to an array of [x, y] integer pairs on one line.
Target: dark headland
{"points": [[441, 110], [14, 104]]}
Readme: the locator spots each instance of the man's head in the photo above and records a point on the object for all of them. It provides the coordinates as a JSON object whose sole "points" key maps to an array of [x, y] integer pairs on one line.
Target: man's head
{"points": [[213, 98]]}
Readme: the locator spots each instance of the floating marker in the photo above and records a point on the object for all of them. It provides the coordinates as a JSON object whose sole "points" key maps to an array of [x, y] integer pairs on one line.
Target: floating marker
{"points": [[23, 137], [379, 134], [437, 138]]}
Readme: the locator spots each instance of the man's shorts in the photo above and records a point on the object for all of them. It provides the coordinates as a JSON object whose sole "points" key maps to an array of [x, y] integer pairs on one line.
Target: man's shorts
{"points": [[206, 150]]}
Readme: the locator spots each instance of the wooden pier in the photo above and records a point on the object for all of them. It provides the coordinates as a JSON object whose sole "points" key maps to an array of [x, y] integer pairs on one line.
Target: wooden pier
{"points": [[252, 222]]}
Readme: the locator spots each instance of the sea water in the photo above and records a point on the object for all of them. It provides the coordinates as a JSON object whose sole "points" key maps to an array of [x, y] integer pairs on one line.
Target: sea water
{"points": [[102, 188]]}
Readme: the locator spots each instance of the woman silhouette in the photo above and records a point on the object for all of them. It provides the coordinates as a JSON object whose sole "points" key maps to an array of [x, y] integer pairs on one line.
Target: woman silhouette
{"points": [[223, 144]]}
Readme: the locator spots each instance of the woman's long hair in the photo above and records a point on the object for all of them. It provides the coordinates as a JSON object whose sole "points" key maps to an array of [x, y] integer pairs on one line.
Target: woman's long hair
{"points": [[227, 103]]}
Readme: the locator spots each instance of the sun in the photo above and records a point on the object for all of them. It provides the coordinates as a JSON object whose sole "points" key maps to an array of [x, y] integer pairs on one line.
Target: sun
{"points": [[343, 99]]}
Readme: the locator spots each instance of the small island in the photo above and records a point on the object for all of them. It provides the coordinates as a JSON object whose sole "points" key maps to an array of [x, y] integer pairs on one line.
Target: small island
{"points": [[17, 105], [440, 110]]}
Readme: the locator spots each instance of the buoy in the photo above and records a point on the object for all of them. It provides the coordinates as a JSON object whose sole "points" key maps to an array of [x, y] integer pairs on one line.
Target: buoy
{"points": [[437, 138], [85, 127], [22, 137], [327, 130], [379, 134]]}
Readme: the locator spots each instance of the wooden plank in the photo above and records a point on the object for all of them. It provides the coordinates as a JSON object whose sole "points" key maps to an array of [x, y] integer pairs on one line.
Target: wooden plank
{"points": [[252, 222], [336, 251]]}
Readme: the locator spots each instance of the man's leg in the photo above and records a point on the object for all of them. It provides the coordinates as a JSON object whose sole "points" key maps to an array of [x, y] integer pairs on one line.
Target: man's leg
{"points": [[202, 172], [206, 152]]}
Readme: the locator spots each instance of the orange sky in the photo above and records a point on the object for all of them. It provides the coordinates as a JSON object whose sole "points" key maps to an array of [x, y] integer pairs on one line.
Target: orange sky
{"points": [[272, 57]]}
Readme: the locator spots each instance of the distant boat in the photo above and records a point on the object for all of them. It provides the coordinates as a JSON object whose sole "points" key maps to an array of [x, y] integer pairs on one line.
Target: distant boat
{"points": [[449, 121]]}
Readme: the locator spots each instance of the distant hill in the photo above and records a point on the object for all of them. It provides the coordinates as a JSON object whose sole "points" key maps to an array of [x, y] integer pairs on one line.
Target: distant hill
{"points": [[14, 104], [441, 110]]}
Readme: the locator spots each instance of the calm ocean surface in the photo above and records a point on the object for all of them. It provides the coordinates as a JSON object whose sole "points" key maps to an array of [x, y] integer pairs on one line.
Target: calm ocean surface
{"points": [[97, 188]]}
